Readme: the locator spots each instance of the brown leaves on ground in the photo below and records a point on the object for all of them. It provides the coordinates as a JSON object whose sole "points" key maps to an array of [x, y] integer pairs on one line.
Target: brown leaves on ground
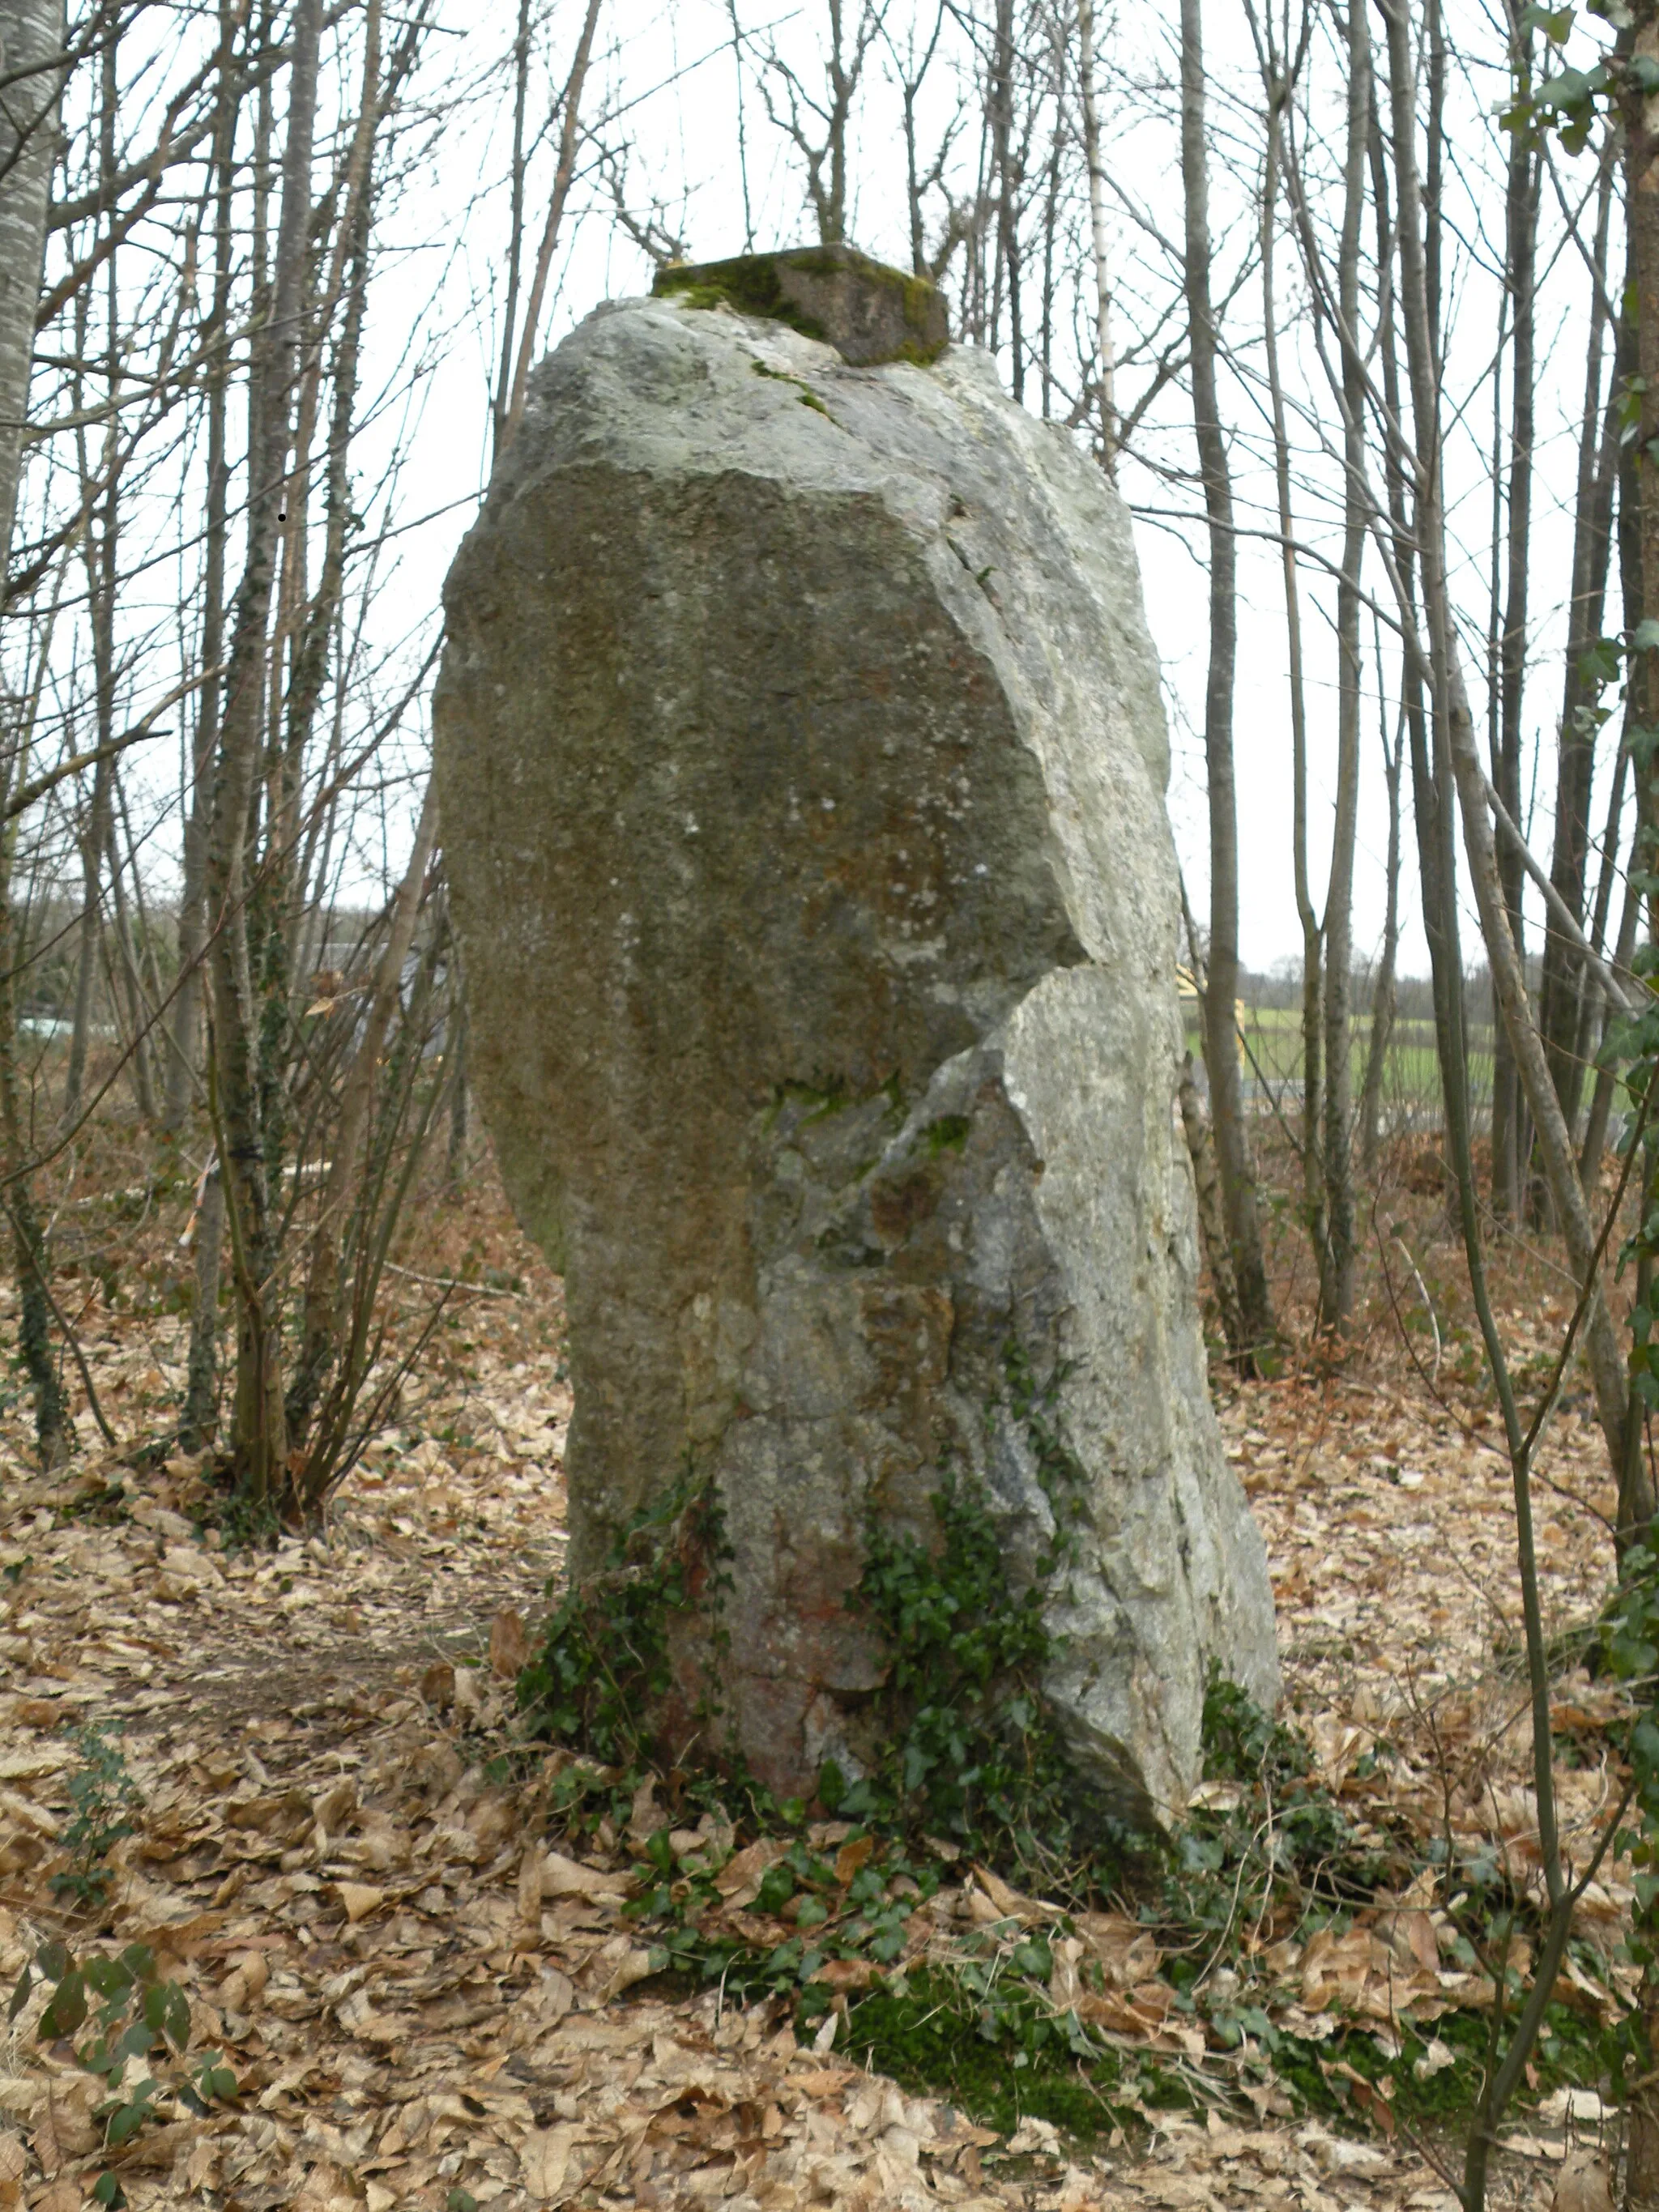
{"points": [[425, 2001]]}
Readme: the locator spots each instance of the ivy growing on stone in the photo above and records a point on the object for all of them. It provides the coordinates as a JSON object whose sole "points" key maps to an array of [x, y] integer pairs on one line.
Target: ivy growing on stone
{"points": [[605, 1663]]}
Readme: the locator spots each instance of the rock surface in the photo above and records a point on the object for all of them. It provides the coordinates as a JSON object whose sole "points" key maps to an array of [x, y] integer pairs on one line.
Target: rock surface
{"points": [[801, 766]]}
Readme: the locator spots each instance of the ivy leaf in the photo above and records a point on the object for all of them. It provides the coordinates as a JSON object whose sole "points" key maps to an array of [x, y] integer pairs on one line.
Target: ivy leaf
{"points": [[108, 1977], [131, 2116], [1599, 662], [67, 2008]]}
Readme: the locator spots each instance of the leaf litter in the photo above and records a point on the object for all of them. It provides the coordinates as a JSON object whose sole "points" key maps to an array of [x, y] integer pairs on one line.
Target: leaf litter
{"points": [[425, 2004]]}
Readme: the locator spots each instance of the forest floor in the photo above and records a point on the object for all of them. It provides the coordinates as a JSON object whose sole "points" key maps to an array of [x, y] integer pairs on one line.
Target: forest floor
{"points": [[331, 1858]]}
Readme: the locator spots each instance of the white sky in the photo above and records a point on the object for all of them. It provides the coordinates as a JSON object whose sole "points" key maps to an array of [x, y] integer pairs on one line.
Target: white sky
{"points": [[666, 87], [685, 152]]}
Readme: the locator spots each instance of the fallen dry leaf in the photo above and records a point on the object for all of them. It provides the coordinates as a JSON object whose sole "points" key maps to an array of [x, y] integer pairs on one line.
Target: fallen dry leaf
{"points": [[509, 1645], [563, 1877], [1583, 2185], [485, 2025], [547, 2163]]}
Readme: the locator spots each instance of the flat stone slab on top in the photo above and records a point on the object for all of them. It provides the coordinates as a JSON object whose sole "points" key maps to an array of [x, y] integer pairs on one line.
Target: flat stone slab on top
{"points": [[868, 311]]}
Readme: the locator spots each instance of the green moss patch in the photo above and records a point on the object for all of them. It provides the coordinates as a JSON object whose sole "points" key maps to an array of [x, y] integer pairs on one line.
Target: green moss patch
{"points": [[998, 2063], [808, 397], [749, 284], [872, 314], [948, 1134]]}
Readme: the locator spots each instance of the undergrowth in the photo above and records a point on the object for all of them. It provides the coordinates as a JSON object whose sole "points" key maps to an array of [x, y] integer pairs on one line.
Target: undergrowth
{"points": [[102, 1796], [136, 2031], [971, 1771]]}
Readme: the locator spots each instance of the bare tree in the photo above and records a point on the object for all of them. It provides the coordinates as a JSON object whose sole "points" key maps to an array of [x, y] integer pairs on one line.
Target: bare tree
{"points": [[1508, 1146], [259, 1440], [1336, 1287], [1221, 986], [1279, 73], [1565, 991], [818, 118], [569, 113]]}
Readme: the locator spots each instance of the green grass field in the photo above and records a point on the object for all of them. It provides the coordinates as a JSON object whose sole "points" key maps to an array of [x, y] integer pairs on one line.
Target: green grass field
{"points": [[1272, 1053]]}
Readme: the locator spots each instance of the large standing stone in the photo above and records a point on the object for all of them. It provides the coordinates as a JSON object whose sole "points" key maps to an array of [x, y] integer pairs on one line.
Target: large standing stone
{"points": [[801, 767]]}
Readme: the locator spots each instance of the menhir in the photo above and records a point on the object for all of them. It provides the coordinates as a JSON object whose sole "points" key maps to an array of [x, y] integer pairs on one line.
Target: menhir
{"points": [[801, 771]]}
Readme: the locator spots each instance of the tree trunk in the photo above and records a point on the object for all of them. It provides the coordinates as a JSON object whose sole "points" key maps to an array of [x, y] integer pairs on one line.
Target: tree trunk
{"points": [[200, 1421], [184, 1033], [1430, 800], [99, 543], [455, 1157], [1630, 591], [515, 225], [1565, 996], [320, 1326], [1212, 1214], [29, 1261], [1457, 756], [258, 1439], [1336, 1288], [1221, 989], [1002, 152], [31, 47], [563, 175], [1097, 240], [139, 1059], [1640, 492], [1510, 1147], [94, 840], [1382, 990], [1277, 91]]}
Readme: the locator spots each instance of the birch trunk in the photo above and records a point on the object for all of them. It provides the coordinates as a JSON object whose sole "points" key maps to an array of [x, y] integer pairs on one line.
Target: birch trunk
{"points": [[31, 47], [1098, 239], [32, 34]]}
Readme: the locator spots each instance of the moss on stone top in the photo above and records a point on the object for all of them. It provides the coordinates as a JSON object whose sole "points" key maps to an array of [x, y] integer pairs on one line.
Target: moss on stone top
{"points": [[868, 311]]}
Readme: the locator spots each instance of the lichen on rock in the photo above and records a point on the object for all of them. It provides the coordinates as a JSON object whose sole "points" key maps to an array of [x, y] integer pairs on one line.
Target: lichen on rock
{"points": [[802, 775]]}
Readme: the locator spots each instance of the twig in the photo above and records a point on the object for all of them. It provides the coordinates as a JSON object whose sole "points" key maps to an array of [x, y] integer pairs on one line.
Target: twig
{"points": [[1424, 1288], [452, 1283]]}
